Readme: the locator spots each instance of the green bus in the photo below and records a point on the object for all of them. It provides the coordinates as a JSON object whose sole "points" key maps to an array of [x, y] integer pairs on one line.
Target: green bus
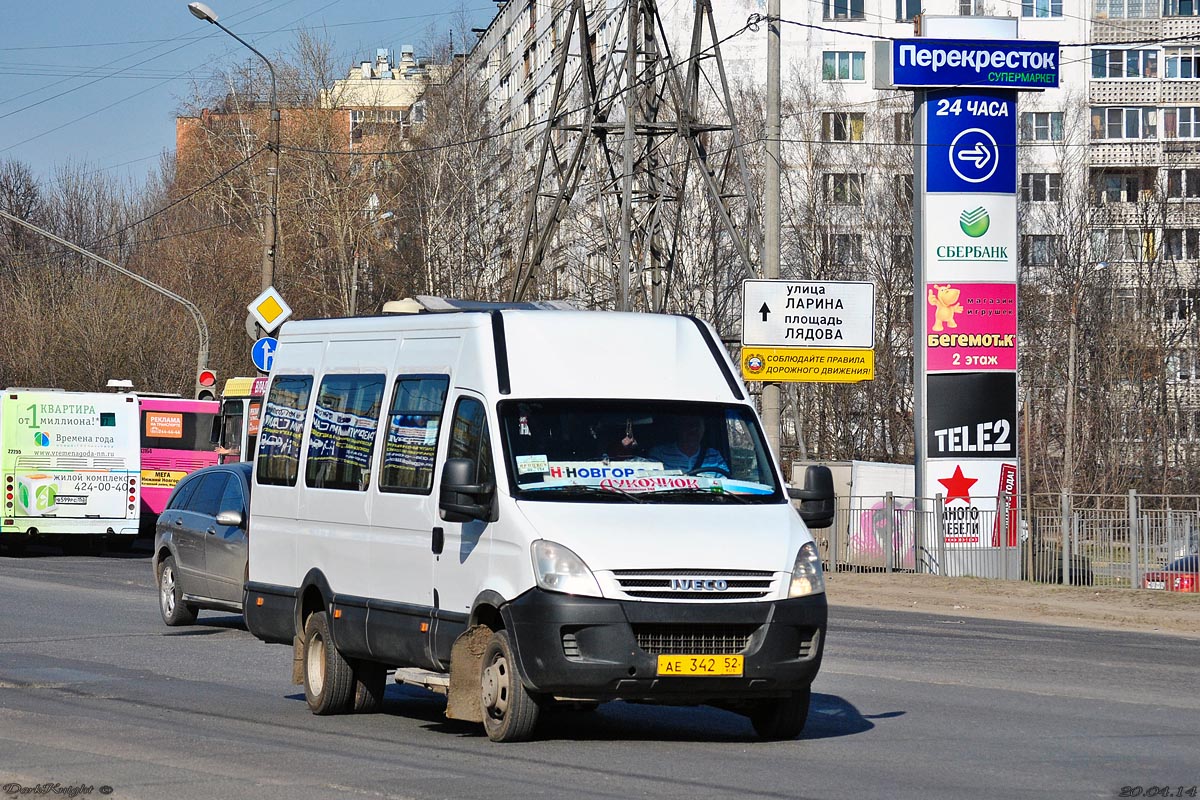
{"points": [[70, 467]]}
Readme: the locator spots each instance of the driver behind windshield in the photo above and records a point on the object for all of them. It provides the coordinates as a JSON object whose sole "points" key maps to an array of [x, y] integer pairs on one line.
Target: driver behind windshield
{"points": [[686, 452]]}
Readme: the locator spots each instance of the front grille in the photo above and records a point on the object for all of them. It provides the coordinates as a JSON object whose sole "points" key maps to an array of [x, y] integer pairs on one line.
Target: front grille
{"points": [[656, 584], [709, 640]]}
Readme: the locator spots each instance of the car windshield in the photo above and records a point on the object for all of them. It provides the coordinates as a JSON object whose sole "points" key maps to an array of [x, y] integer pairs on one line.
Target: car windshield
{"points": [[635, 451]]}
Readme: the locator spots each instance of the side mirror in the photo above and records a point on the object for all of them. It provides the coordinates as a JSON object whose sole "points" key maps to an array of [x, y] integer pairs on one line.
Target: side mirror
{"points": [[230, 519], [816, 498], [462, 501]]}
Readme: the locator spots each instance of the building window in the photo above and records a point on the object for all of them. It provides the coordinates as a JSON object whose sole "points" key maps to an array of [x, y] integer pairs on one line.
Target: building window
{"points": [[971, 8], [1041, 187], [1182, 305], [282, 430], [1126, 9], [840, 126], [1042, 126], [1041, 250], [1181, 123], [1182, 243], [1124, 123], [844, 9], [902, 250], [1180, 8], [843, 65], [1182, 62], [1124, 63], [902, 127], [902, 185], [845, 249], [1123, 244], [1183, 183], [843, 187], [1041, 8], [1117, 187], [907, 10]]}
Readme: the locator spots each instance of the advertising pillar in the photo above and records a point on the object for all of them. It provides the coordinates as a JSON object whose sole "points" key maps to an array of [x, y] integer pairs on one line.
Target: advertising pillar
{"points": [[965, 278]]}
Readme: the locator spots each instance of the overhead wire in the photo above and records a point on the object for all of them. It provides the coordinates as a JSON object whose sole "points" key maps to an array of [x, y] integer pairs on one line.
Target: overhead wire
{"points": [[48, 131], [190, 40]]}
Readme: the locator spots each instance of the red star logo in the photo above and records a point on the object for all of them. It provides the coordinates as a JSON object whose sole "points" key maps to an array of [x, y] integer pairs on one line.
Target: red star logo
{"points": [[958, 486]]}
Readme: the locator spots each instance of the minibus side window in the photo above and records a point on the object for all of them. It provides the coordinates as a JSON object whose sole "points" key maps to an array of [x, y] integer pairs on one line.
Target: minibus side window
{"points": [[414, 423], [283, 429], [469, 438], [342, 438]]}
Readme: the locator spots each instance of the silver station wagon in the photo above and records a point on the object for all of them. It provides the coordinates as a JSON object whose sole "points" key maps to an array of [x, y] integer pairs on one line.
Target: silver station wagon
{"points": [[200, 543]]}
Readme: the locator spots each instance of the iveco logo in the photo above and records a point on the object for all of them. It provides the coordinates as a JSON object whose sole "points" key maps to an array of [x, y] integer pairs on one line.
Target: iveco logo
{"points": [[692, 585]]}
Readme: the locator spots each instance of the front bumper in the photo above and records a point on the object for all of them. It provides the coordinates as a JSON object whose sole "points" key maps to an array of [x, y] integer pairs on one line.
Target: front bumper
{"points": [[598, 649]]}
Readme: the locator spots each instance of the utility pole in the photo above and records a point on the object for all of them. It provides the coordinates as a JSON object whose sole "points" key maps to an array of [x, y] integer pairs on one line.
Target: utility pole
{"points": [[772, 221], [201, 326], [628, 143], [651, 156]]}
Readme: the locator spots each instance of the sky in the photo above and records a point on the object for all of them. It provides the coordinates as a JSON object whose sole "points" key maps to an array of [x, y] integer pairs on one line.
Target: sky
{"points": [[96, 84]]}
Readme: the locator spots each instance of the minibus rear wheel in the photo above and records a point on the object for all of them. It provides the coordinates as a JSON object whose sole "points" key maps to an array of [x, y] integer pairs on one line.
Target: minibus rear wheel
{"points": [[510, 712], [781, 718], [370, 681], [328, 677]]}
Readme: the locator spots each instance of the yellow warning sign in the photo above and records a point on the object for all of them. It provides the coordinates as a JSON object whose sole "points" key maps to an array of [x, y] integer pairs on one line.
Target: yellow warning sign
{"points": [[810, 365]]}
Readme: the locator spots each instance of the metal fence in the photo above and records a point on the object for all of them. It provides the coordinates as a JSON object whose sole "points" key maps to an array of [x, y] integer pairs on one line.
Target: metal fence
{"points": [[1088, 540]]}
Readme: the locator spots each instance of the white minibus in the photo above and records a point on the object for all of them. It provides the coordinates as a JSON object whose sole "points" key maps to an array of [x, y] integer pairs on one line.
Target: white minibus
{"points": [[529, 507]]}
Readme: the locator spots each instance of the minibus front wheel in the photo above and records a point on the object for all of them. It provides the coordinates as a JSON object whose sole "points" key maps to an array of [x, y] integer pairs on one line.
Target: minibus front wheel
{"points": [[510, 712], [781, 718]]}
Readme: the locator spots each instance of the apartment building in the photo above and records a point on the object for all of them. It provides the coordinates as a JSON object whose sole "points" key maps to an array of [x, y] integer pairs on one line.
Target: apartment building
{"points": [[1110, 167]]}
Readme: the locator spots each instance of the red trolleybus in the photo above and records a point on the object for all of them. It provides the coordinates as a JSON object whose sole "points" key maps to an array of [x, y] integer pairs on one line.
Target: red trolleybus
{"points": [[176, 436]]}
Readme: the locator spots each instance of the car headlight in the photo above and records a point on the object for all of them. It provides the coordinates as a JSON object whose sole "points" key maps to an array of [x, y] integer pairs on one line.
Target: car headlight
{"points": [[807, 577], [557, 569]]}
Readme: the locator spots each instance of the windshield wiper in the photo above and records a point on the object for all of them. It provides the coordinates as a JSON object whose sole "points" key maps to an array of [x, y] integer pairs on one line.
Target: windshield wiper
{"points": [[698, 493], [577, 488]]}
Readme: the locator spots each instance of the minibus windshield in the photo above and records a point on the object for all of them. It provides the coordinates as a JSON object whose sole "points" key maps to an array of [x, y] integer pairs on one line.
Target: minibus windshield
{"points": [[636, 451]]}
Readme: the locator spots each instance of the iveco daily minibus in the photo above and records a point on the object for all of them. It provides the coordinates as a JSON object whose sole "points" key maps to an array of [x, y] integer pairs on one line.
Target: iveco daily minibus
{"points": [[524, 507]]}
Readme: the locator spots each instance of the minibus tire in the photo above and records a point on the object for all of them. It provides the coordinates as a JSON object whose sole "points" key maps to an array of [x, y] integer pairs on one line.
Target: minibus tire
{"points": [[370, 681], [510, 712], [170, 596], [328, 677], [781, 718]]}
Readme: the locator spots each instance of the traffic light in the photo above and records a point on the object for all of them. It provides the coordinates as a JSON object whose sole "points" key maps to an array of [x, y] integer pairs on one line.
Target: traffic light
{"points": [[206, 385]]}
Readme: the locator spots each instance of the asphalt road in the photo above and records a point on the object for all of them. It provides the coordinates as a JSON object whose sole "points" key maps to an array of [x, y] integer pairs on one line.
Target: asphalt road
{"points": [[96, 691]]}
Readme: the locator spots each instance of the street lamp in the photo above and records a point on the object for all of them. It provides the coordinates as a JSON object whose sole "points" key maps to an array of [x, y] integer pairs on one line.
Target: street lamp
{"points": [[271, 229]]}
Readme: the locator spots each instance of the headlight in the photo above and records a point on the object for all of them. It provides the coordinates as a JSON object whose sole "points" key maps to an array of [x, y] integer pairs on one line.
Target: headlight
{"points": [[806, 574], [557, 569]]}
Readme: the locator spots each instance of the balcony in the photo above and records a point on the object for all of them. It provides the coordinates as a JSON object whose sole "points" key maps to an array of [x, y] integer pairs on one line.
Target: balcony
{"points": [[1108, 153]]}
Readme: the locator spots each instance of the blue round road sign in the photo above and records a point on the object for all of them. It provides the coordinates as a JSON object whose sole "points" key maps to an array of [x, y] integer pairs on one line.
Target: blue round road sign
{"points": [[263, 352]]}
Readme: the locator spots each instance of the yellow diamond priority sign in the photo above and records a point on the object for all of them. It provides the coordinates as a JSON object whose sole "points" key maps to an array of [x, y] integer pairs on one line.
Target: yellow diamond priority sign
{"points": [[269, 309]]}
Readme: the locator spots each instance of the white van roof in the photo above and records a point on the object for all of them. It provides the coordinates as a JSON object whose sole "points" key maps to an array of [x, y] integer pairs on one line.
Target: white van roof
{"points": [[562, 354]]}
